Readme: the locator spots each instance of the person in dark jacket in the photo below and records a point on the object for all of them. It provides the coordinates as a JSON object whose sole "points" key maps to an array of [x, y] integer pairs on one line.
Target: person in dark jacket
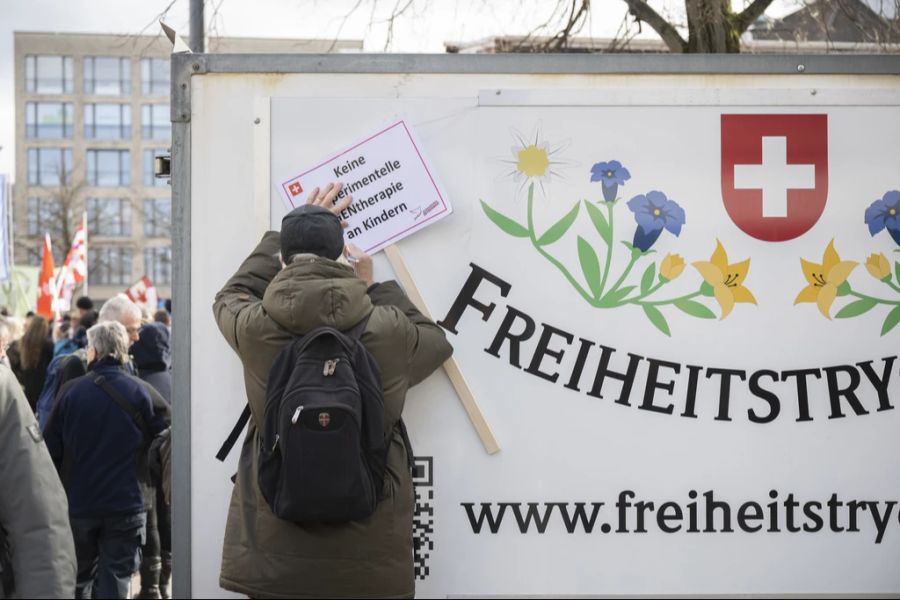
{"points": [[151, 358], [98, 435], [34, 356]]}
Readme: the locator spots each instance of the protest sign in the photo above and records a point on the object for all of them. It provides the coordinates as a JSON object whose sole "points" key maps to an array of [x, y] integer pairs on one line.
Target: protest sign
{"points": [[394, 192]]}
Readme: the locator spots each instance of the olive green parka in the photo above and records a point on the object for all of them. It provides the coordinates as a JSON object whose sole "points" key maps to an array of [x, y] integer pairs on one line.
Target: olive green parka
{"points": [[260, 309]]}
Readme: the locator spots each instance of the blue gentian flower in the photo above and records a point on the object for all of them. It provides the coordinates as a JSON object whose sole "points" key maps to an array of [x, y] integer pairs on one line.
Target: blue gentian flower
{"points": [[611, 174], [885, 214], [653, 212]]}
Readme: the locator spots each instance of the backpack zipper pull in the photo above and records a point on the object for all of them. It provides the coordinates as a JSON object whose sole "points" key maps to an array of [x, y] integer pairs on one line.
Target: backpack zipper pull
{"points": [[330, 366], [296, 416]]}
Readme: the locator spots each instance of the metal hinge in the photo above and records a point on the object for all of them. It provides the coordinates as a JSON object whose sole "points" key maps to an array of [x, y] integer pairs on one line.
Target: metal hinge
{"points": [[162, 165]]}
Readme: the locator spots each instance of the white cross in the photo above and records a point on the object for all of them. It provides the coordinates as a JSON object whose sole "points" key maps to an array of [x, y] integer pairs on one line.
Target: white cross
{"points": [[774, 177]]}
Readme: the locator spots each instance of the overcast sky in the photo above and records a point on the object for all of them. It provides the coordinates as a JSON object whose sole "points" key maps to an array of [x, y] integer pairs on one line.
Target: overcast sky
{"points": [[425, 29]]}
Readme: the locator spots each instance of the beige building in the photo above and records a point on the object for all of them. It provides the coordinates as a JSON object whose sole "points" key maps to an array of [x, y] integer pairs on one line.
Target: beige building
{"points": [[92, 110]]}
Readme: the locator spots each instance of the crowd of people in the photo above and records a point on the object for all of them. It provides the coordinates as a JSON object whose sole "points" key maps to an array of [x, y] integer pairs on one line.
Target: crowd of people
{"points": [[85, 412], [323, 500]]}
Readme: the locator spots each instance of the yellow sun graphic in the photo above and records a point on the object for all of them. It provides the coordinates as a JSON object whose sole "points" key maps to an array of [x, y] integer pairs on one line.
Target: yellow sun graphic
{"points": [[534, 160]]}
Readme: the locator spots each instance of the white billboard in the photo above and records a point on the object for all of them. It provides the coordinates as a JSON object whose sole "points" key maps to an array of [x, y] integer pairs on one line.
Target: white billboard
{"points": [[676, 300]]}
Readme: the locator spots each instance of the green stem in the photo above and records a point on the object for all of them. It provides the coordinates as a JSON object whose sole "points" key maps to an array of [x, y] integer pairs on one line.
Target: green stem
{"points": [[649, 292], [621, 280], [893, 286], [609, 249], [584, 294], [878, 300], [669, 301]]}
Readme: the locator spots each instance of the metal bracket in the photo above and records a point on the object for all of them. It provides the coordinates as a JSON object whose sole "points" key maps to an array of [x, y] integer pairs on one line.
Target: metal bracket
{"points": [[184, 66]]}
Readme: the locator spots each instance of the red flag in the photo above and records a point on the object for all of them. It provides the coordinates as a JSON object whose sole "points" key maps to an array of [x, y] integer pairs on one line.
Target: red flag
{"points": [[46, 284], [144, 292]]}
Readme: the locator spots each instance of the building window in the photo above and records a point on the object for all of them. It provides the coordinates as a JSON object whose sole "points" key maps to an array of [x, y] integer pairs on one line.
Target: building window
{"points": [[45, 215], [158, 264], [107, 75], [109, 217], [109, 265], [48, 74], [49, 166], [107, 121], [155, 123], [155, 77], [149, 179], [108, 168], [158, 217], [48, 120]]}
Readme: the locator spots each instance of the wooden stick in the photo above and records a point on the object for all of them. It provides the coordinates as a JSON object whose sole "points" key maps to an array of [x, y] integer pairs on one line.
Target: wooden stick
{"points": [[451, 367]]}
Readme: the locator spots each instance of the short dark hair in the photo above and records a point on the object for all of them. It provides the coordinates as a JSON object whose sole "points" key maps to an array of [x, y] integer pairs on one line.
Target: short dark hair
{"points": [[84, 303], [162, 316]]}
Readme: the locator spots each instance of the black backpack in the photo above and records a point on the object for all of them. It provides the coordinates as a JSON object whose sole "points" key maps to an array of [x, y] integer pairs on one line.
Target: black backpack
{"points": [[322, 450]]}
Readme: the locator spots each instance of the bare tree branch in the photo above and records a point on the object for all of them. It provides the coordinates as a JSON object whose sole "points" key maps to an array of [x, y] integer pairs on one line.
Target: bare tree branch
{"points": [[576, 17], [644, 12], [396, 13], [749, 15]]}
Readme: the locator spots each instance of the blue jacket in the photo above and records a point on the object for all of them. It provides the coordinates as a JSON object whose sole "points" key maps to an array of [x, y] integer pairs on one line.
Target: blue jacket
{"points": [[95, 443]]}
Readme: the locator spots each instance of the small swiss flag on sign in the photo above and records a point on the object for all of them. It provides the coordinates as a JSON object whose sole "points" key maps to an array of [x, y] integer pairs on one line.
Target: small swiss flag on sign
{"points": [[295, 188]]}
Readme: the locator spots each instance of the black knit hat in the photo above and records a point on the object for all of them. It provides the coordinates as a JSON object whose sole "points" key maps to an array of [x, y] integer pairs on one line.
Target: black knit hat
{"points": [[84, 303], [311, 229]]}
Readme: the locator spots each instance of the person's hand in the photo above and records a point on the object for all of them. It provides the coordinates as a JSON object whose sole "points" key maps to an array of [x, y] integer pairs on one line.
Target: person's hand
{"points": [[325, 198], [362, 264]]}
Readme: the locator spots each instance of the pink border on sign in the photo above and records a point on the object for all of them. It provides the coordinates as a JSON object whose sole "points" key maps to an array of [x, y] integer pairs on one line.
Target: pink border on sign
{"points": [[371, 137]]}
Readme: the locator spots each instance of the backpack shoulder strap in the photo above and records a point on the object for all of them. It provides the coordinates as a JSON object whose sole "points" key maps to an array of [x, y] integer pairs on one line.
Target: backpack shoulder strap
{"points": [[410, 456], [232, 439], [127, 406]]}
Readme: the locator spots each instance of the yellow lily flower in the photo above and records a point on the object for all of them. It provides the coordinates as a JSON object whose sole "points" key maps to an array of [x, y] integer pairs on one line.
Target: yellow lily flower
{"points": [[671, 266], [824, 279], [727, 280], [879, 266]]}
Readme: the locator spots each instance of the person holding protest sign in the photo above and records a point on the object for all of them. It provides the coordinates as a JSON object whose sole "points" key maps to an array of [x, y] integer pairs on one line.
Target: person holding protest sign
{"points": [[261, 311]]}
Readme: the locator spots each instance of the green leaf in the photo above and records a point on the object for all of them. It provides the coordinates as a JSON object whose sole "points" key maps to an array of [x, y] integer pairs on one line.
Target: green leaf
{"points": [[600, 222], [616, 296], [897, 271], [656, 317], [504, 222], [590, 265], [844, 289], [695, 309], [854, 309], [647, 279], [562, 226], [891, 321], [628, 245], [707, 290]]}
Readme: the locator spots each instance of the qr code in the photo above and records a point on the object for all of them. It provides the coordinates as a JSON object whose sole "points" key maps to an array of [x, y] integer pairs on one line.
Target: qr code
{"points": [[423, 520]]}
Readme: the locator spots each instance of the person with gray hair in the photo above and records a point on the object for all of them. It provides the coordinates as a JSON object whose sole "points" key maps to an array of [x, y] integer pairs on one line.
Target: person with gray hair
{"points": [[98, 436], [120, 308], [65, 368]]}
